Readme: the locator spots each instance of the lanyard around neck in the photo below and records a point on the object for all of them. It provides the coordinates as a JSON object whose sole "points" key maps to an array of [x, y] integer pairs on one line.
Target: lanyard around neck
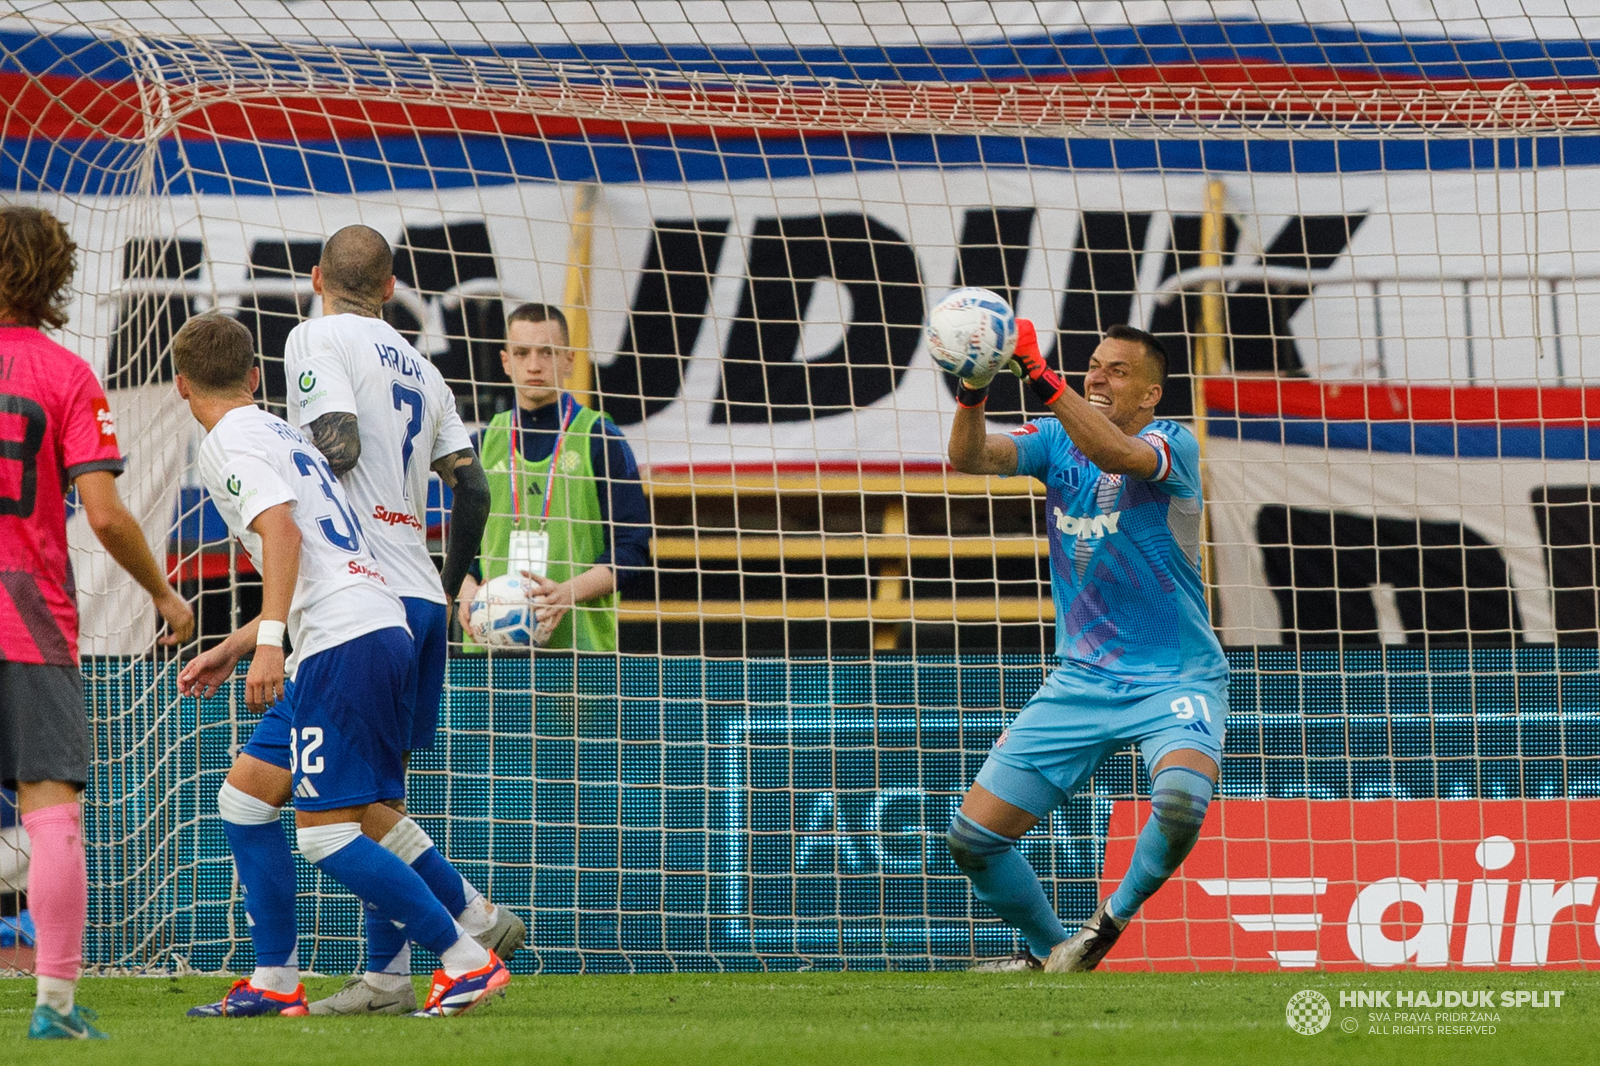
{"points": [[568, 411]]}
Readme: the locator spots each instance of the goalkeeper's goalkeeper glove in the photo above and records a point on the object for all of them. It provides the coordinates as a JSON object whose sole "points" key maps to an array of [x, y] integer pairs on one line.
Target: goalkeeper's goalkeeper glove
{"points": [[975, 389], [1028, 362]]}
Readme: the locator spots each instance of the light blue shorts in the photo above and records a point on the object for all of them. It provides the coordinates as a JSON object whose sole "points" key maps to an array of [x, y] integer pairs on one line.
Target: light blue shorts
{"points": [[1078, 719]]}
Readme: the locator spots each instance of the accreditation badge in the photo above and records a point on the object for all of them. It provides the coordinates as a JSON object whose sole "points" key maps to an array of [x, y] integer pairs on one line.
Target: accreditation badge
{"points": [[529, 552]]}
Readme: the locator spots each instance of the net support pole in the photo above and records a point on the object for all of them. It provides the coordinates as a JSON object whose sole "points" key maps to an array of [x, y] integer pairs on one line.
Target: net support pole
{"points": [[1208, 362], [575, 295]]}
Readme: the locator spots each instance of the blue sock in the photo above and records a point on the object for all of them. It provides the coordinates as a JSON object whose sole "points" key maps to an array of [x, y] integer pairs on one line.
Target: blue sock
{"points": [[382, 881], [1179, 797], [442, 880], [266, 872], [1003, 880], [385, 942]]}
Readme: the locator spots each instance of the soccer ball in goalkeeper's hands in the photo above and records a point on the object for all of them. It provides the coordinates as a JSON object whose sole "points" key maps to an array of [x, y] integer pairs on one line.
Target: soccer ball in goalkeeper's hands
{"points": [[503, 613], [972, 333]]}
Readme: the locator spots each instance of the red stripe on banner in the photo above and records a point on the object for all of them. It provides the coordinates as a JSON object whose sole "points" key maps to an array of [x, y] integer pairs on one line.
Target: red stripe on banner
{"points": [[207, 565], [61, 106], [1361, 884], [1275, 397], [1238, 73]]}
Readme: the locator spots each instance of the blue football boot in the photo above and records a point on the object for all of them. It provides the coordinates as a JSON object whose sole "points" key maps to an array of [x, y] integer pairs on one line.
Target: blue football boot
{"points": [[245, 1000]]}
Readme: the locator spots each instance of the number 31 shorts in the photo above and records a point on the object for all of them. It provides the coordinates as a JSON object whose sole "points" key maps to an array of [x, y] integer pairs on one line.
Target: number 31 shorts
{"points": [[1078, 719]]}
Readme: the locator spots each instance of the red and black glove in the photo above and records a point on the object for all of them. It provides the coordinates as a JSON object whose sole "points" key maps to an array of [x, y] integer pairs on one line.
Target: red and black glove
{"points": [[1028, 362]]}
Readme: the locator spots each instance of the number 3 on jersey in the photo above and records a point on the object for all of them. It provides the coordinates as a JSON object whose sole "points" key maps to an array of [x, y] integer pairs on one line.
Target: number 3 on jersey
{"points": [[347, 539]]}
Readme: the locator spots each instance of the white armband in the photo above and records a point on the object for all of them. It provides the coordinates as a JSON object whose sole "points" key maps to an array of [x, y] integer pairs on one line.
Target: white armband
{"points": [[269, 632]]}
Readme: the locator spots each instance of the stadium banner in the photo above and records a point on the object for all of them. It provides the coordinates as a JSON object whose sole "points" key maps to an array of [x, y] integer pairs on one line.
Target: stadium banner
{"points": [[775, 324], [1371, 883], [1391, 510]]}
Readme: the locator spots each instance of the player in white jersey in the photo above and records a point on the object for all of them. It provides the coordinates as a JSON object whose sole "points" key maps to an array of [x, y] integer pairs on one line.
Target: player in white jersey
{"points": [[342, 700], [384, 416]]}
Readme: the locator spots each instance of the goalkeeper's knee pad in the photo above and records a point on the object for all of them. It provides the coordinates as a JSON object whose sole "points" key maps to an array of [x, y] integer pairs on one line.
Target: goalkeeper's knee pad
{"points": [[1179, 797], [972, 846]]}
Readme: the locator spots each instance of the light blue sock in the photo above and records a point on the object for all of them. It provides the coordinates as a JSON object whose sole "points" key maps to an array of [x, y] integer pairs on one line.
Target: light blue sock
{"points": [[1179, 797], [378, 878], [1003, 880]]}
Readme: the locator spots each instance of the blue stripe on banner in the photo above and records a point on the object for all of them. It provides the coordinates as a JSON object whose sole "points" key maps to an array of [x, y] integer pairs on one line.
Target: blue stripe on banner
{"points": [[1416, 438], [1067, 52], [235, 168]]}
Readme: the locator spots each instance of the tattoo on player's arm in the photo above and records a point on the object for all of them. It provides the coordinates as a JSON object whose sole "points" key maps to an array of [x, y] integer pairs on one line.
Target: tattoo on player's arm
{"points": [[338, 438], [446, 465]]}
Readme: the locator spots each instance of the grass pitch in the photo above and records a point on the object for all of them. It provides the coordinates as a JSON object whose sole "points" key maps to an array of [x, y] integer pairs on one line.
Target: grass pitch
{"points": [[835, 1019]]}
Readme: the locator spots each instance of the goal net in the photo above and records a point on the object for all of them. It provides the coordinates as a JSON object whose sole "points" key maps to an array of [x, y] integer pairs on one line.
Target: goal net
{"points": [[1364, 233]]}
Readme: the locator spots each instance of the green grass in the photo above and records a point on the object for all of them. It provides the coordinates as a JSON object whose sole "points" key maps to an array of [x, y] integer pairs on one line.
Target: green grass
{"points": [[826, 1019]]}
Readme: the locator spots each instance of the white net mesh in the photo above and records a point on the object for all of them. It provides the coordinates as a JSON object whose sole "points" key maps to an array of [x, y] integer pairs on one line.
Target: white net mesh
{"points": [[1362, 231]]}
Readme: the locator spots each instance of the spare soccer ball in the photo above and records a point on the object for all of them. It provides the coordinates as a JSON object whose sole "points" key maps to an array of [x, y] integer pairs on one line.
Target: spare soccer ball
{"points": [[972, 332], [502, 612]]}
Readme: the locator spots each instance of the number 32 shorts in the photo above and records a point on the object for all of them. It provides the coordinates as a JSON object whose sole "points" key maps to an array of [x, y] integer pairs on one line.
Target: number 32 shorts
{"points": [[1078, 719], [341, 728]]}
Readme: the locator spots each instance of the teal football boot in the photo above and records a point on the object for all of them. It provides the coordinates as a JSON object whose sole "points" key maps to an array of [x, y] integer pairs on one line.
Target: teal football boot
{"points": [[50, 1024]]}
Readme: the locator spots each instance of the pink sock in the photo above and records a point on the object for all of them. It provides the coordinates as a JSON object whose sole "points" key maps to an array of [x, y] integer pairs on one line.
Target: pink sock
{"points": [[58, 889]]}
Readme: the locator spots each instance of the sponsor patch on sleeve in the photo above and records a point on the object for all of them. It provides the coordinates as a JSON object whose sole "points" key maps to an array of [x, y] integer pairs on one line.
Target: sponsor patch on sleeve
{"points": [[102, 415], [1024, 429]]}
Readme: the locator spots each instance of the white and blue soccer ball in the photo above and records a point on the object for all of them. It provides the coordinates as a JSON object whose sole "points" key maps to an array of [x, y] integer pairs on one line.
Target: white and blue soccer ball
{"points": [[972, 332], [503, 612]]}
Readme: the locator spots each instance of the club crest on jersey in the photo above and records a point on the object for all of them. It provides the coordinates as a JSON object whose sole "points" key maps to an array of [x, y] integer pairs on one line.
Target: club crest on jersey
{"points": [[1089, 526]]}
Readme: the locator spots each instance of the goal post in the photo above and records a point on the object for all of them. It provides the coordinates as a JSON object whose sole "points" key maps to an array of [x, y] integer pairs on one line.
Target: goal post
{"points": [[1366, 245]]}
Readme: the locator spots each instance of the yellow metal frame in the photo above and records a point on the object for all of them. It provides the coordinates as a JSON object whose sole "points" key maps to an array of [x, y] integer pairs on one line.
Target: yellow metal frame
{"points": [[575, 296], [1211, 351]]}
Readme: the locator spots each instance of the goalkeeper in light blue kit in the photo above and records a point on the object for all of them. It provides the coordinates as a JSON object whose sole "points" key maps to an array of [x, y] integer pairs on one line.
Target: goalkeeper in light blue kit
{"points": [[1139, 663]]}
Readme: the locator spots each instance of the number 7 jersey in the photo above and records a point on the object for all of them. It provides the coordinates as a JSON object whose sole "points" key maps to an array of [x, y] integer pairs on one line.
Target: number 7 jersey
{"points": [[251, 461], [407, 418]]}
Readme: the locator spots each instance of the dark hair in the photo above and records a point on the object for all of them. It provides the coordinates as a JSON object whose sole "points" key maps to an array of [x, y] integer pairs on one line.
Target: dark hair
{"points": [[1152, 347], [37, 261], [357, 261], [540, 313], [214, 352]]}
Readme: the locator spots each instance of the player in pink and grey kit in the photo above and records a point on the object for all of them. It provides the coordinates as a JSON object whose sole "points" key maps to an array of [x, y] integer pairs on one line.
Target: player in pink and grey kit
{"points": [[56, 433]]}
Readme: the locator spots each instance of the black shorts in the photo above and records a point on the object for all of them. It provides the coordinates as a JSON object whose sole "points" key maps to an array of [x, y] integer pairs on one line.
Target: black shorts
{"points": [[44, 729]]}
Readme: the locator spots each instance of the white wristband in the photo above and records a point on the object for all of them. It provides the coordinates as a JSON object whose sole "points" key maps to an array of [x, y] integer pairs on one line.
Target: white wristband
{"points": [[269, 632]]}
